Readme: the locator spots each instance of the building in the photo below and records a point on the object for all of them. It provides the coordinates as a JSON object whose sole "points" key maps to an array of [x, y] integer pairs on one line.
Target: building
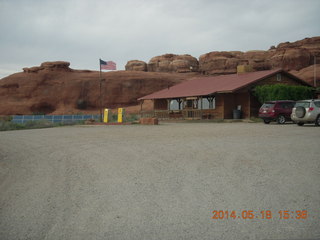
{"points": [[216, 96]]}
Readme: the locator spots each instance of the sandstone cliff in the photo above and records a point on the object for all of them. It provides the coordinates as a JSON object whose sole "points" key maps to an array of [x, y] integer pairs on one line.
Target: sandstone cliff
{"points": [[55, 88], [289, 56], [296, 57]]}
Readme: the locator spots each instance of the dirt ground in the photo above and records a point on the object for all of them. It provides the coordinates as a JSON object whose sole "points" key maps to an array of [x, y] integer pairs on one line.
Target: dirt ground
{"points": [[161, 182]]}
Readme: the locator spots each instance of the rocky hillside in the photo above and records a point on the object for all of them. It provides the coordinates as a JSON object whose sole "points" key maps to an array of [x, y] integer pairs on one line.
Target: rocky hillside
{"points": [[55, 88]]}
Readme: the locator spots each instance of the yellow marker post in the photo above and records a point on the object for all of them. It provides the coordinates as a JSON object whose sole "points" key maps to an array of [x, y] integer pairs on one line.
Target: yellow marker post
{"points": [[120, 115], [106, 115]]}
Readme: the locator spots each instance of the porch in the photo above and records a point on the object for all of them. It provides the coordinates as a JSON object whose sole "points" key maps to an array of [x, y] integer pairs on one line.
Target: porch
{"points": [[218, 106], [179, 114], [202, 107]]}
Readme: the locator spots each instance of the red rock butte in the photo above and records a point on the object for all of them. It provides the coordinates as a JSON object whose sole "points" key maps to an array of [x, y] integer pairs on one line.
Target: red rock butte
{"points": [[55, 88]]}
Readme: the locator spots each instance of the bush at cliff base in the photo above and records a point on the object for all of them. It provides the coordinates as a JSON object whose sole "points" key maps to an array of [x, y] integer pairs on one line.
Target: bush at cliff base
{"points": [[283, 92]]}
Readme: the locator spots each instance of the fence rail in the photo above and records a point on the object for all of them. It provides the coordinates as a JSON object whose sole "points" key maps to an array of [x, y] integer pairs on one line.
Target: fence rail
{"points": [[53, 118], [180, 114]]}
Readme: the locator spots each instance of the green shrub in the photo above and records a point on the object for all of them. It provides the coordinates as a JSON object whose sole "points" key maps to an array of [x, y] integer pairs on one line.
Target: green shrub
{"points": [[43, 123], [282, 92], [7, 125], [131, 117], [6, 118]]}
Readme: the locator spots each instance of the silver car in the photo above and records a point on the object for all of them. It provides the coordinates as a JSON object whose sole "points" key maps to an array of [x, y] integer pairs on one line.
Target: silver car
{"points": [[306, 111]]}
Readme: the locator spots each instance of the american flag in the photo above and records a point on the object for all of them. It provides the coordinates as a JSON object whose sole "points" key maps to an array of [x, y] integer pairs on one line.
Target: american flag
{"points": [[108, 65]]}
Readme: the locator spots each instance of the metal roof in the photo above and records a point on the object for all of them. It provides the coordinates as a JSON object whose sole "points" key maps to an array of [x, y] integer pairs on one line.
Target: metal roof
{"points": [[202, 86]]}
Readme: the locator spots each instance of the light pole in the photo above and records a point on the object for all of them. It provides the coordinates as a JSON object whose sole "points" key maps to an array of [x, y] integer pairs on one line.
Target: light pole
{"points": [[101, 97], [314, 71]]}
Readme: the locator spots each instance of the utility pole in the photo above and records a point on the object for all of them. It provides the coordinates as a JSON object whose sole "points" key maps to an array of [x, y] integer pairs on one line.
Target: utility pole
{"points": [[314, 71], [100, 91]]}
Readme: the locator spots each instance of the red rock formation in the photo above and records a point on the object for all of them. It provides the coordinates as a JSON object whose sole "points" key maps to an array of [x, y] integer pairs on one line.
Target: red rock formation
{"points": [[53, 89], [289, 56], [173, 63], [308, 74], [50, 66], [136, 65]]}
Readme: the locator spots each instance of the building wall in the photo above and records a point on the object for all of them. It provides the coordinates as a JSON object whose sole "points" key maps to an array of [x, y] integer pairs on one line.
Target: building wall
{"points": [[254, 106], [243, 99], [233, 100], [228, 104], [285, 79]]}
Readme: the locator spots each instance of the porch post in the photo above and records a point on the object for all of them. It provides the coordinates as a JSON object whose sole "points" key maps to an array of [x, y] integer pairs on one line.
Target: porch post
{"points": [[179, 103], [153, 104], [249, 107], [182, 108], [201, 112], [141, 103]]}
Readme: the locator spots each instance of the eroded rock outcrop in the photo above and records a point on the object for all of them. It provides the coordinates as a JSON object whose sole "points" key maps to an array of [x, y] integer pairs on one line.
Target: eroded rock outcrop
{"points": [[50, 66], [289, 56], [136, 65], [173, 63]]}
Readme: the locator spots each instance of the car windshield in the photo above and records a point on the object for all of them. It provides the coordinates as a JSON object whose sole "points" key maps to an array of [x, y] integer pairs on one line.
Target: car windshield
{"points": [[267, 105], [302, 104]]}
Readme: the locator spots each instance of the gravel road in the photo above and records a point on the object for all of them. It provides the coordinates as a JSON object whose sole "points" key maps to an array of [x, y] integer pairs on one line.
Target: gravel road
{"points": [[160, 182]]}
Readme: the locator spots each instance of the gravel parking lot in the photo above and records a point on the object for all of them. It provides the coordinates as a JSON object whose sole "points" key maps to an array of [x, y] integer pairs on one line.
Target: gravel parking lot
{"points": [[160, 182]]}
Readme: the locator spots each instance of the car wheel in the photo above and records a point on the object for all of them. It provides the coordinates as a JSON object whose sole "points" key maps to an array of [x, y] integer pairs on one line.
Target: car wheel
{"points": [[318, 121], [300, 112], [300, 123], [281, 119], [266, 121]]}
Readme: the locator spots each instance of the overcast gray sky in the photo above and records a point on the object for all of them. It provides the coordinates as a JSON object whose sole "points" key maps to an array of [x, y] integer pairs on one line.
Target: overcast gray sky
{"points": [[82, 31]]}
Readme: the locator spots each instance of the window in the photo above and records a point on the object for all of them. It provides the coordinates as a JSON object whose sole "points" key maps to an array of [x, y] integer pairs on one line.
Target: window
{"points": [[292, 105], [317, 103], [302, 104], [287, 105], [267, 105], [279, 77]]}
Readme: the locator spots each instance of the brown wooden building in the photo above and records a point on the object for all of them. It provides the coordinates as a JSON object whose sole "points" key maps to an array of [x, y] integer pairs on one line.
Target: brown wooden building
{"points": [[216, 96]]}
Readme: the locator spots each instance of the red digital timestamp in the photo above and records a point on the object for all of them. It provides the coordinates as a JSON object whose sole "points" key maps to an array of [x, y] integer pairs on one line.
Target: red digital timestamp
{"points": [[265, 214]]}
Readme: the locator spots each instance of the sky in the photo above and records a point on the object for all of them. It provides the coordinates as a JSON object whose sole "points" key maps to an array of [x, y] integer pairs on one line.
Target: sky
{"points": [[82, 31]]}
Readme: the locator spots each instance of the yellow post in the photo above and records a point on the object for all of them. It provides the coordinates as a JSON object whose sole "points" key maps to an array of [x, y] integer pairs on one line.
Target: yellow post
{"points": [[106, 114], [120, 115]]}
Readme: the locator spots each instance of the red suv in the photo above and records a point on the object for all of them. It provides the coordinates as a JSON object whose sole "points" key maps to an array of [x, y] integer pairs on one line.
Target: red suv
{"points": [[279, 111]]}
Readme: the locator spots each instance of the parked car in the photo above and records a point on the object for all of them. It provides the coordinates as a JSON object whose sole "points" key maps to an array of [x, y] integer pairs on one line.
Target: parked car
{"points": [[279, 111], [306, 111]]}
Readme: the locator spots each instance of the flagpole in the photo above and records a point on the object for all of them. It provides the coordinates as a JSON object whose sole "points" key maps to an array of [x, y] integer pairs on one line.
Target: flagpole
{"points": [[100, 90]]}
